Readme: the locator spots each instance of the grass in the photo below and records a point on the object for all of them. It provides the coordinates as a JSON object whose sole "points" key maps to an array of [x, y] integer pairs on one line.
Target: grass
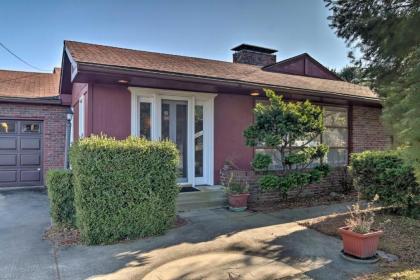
{"points": [[401, 238]]}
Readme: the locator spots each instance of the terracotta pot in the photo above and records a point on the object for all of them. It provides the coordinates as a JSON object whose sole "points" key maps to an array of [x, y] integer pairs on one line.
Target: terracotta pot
{"points": [[360, 245], [238, 202]]}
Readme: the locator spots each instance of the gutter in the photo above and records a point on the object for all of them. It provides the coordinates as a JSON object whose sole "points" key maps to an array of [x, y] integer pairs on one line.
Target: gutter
{"points": [[93, 67], [30, 100]]}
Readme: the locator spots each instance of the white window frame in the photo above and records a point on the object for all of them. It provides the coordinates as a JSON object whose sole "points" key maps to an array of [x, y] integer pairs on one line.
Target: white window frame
{"points": [[82, 116], [155, 97]]}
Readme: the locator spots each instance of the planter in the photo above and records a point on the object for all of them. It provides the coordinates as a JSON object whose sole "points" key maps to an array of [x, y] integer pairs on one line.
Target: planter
{"points": [[360, 245], [238, 202]]}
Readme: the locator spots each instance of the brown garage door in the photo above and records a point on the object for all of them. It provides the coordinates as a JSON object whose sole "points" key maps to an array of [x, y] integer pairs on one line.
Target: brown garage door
{"points": [[20, 153]]}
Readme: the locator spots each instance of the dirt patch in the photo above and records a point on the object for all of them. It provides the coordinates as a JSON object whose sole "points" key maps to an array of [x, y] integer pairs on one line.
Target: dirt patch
{"points": [[401, 238], [62, 236]]}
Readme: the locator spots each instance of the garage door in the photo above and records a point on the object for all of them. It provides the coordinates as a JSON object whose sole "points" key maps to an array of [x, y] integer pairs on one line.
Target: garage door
{"points": [[20, 153]]}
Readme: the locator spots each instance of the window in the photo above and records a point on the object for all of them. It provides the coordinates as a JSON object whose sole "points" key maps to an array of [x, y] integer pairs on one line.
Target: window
{"points": [[29, 127], [335, 136], [7, 126], [145, 118], [82, 116]]}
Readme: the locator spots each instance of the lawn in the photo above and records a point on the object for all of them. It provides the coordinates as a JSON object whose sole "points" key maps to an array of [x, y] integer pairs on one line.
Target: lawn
{"points": [[401, 238]]}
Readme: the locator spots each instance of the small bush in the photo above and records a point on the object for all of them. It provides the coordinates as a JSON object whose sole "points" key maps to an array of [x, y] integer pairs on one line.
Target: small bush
{"points": [[261, 162], [61, 196], [123, 189], [385, 174]]}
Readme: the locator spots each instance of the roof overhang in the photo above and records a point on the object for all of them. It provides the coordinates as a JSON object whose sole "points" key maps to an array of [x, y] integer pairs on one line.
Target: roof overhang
{"points": [[89, 72], [52, 101]]}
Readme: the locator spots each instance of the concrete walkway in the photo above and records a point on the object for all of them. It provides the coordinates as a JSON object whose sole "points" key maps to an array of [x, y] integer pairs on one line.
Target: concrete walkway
{"points": [[215, 244]]}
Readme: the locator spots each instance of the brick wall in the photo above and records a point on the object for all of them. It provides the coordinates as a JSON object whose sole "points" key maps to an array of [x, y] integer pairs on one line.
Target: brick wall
{"points": [[262, 199], [368, 132], [54, 128]]}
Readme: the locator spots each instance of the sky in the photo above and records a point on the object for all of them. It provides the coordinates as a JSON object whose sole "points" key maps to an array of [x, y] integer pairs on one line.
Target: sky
{"points": [[35, 30]]}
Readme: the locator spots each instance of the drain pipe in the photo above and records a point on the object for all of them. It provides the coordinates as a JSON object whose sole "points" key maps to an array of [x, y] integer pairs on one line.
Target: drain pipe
{"points": [[69, 129]]}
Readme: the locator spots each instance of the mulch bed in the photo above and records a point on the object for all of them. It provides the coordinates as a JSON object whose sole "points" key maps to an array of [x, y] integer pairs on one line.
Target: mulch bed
{"points": [[304, 202], [63, 236]]}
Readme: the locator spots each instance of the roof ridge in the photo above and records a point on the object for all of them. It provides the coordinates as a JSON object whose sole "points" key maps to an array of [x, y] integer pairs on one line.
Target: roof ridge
{"points": [[166, 54], [25, 72]]}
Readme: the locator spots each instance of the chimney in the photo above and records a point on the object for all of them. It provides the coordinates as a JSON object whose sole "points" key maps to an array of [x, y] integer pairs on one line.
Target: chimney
{"points": [[254, 55]]}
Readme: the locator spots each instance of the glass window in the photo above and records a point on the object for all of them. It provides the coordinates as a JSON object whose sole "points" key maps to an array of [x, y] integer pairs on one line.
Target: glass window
{"points": [[336, 157], [30, 127], [145, 115], [335, 137], [199, 139], [335, 117], [7, 126]]}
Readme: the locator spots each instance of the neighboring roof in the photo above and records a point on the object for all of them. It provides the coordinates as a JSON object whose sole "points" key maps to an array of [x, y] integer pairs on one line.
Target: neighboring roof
{"points": [[91, 54], [253, 48], [29, 85]]}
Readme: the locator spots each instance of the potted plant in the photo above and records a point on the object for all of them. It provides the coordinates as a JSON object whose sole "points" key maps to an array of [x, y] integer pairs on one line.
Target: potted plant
{"points": [[359, 238], [238, 193]]}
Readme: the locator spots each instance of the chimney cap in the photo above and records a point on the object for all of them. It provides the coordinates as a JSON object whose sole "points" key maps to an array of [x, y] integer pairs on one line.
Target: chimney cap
{"points": [[253, 48]]}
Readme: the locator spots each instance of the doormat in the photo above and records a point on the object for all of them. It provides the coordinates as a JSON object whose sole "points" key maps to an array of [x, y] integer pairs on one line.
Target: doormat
{"points": [[189, 189]]}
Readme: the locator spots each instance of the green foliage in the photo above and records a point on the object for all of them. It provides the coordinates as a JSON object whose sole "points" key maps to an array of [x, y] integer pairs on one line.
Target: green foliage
{"points": [[261, 161], [352, 74], [61, 195], [236, 186], [123, 189], [385, 174], [386, 34], [289, 128]]}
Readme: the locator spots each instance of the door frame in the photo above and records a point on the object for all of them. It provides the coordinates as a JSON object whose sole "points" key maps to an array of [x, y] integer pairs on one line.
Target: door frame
{"points": [[155, 96]]}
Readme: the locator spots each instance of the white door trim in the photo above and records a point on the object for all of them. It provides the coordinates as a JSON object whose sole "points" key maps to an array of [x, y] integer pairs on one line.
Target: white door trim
{"points": [[155, 96]]}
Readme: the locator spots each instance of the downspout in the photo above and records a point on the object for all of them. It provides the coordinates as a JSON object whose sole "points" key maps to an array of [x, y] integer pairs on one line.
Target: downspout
{"points": [[69, 123]]}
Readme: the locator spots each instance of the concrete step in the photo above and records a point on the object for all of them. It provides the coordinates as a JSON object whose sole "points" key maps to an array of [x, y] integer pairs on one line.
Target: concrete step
{"points": [[207, 197]]}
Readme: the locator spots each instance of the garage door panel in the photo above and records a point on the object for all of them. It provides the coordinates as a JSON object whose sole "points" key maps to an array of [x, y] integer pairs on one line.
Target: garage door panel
{"points": [[30, 175], [7, 143], [30, 143], [8, 160], [30, 159], [8, 176]]}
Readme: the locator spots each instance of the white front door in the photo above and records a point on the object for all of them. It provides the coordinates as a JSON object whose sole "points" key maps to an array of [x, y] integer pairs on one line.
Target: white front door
{"points": [[186, 118]]}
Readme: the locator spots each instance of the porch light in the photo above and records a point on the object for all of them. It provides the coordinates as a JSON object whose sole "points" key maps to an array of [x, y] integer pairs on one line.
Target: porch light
{"points": [[123, 81], [254, 93]]}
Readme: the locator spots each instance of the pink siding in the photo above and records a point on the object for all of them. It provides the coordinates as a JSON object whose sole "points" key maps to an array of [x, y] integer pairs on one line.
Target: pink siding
{"points": [[232, 114], [111, 111]]}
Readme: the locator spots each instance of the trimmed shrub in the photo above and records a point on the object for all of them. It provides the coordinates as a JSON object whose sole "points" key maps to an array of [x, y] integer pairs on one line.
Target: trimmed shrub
{"points": [[123, 189], [385, 174], [61, 196]]}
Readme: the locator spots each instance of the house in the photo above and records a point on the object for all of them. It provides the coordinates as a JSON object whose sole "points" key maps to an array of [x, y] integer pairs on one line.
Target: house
{"points": [[204, 105], [33, 122]]}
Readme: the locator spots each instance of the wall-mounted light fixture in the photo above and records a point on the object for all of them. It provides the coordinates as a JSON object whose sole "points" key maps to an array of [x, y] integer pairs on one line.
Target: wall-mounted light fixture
{"points": [[122, 81]]}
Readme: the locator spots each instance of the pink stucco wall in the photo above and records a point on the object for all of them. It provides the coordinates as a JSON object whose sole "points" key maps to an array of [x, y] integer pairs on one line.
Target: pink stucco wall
{"points": [[232, 114]]}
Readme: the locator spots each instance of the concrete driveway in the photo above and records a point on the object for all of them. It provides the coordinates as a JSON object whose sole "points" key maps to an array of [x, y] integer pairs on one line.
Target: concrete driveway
{"points": [[215, 244]]}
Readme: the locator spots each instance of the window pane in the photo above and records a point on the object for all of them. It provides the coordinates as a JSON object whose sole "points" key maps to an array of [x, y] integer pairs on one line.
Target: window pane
{"points": [[335, 116], [199, 138], [7, 126], [337, 157], [165, 121], [335, 137], [145, 114], [275, 156], [30, 128]]}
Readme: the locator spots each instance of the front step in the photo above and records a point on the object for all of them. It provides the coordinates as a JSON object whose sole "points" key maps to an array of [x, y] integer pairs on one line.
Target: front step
{"points": [[207, 197]]}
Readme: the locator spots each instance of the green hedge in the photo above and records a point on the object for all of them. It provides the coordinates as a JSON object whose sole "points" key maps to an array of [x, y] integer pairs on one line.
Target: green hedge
{"points": [[61, 196], [123, 189], [385, 174]]}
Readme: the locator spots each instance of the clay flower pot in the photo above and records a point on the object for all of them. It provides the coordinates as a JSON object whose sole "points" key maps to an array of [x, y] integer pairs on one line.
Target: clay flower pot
{"points": [[360, 245], [238, 201]]}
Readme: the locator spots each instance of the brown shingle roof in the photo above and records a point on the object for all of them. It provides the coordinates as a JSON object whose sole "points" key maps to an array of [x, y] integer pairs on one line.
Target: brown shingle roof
{"points": [[142, 60], [33, 85]]}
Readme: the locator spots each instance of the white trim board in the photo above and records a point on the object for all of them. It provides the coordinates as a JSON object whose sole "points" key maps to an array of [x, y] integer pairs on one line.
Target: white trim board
{"points": [[155, 97]]}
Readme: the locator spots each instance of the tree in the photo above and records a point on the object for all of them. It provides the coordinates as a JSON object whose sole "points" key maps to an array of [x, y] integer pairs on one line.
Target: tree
{"points": [[387, 35], [292, 129]]}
